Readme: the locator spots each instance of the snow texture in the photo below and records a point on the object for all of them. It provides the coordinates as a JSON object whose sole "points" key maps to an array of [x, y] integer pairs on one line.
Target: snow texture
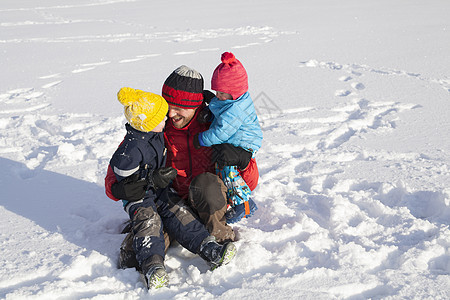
{"points": [[353, 98]]}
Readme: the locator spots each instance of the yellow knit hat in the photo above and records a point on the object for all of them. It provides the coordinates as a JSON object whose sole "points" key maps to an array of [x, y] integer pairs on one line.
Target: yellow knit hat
{"points": [[143, 110]]}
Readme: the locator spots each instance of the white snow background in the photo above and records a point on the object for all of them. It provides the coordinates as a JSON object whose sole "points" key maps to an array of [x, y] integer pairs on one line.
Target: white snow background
{"points": [[353, 98]]}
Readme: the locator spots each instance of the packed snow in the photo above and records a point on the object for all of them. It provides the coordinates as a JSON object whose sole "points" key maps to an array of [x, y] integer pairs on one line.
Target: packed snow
{"points": [[353, 98]]}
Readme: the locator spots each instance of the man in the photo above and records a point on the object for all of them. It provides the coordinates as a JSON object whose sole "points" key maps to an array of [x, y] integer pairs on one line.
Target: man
{"points": [[196, 181]]}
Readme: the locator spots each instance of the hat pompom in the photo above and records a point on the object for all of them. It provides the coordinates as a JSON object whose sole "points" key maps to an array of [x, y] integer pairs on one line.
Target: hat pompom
{"points": [[228, 58], [127, 96]]}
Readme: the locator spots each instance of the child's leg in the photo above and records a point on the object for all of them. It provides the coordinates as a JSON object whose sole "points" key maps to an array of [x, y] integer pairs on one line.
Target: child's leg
{"points": [[238, 191], [238, 194], [181, 223], [148, 240]]}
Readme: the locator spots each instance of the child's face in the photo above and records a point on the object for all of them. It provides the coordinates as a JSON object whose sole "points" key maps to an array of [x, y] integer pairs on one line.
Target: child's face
{"points": [[180, 117], [160, 126], [223, 96]]}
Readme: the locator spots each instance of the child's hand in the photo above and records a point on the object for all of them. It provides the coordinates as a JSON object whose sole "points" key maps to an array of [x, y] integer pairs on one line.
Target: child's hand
{"points": [[229, 155], [130, 188], [162, 177]]}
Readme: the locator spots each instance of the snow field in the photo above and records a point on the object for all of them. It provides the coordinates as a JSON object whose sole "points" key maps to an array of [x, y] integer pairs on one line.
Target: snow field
{"points": [[354, 171]]}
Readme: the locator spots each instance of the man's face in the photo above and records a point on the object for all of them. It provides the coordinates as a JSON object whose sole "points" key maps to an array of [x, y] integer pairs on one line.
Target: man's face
{"points": [[180, 117]]}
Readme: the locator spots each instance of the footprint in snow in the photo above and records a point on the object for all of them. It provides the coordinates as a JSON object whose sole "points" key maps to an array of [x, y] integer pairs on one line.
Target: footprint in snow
{"points": [[358, 86], [345, 78], [342, 93]]}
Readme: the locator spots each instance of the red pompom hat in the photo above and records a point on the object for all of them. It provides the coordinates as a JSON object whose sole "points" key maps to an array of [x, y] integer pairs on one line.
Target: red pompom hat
{"points": [[230, 76]]}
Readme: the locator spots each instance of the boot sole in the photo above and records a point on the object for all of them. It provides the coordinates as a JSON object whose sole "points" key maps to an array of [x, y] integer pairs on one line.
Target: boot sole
{"points": [[158, 282], [155, 282], [227, 256]]}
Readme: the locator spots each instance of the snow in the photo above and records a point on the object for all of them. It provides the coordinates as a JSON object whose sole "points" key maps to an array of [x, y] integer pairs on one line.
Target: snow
{"points": [[353, 98]]}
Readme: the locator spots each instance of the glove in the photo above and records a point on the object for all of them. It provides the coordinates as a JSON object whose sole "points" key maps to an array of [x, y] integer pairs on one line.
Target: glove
{"points": [[204, 116], [131, 188], [207, 96], [229, 155], [162, 177]]}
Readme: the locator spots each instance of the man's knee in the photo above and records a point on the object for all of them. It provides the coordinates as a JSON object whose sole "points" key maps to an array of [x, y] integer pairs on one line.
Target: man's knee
{"points": [[207, 182], [207, 191]]}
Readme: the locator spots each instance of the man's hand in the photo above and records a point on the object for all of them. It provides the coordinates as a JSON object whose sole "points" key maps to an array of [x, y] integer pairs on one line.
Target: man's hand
{"points": [[130, 188], [162, 177], [207, 96], [204, 116], [229, 155]]}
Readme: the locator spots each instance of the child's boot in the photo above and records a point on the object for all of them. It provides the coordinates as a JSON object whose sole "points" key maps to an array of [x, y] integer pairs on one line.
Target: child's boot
{"points": [[215, 253], [155, 273], [157, 277], [243, 210]]}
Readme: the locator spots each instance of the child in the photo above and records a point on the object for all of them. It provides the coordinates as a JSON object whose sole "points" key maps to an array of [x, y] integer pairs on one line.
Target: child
{"points": [[138, 165], [235, 122]]}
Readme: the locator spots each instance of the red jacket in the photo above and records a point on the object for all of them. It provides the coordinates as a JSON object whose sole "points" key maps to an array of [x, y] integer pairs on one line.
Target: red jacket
{"points": [[188, 161], [183, 156]]}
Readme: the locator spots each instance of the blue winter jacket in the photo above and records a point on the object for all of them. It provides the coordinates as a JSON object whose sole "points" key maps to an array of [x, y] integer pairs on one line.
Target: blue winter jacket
{"points": [[140, 152], [235, 122]]}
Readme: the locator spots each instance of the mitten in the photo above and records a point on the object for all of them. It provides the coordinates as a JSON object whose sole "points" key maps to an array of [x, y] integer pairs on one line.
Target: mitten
{"points": [[229, 155], [130, 188], [162, 177]]}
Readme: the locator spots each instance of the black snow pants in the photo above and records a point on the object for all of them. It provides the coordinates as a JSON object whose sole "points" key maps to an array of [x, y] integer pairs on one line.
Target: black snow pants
{"points": [[147, 220]]}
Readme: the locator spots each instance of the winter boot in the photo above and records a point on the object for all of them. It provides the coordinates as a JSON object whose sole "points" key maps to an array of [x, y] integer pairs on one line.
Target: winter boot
{"points": [[217, 254], [157, 277], [154, 272], [243, 210]]}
